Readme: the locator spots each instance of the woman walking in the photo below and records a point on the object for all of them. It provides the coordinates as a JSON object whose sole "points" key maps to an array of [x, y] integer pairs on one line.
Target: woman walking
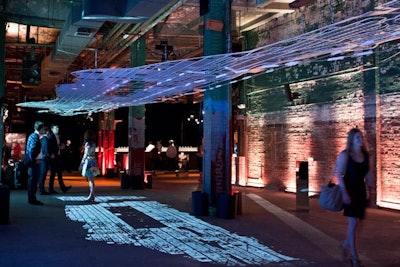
{"points": [[352, 173], [89, 167]]}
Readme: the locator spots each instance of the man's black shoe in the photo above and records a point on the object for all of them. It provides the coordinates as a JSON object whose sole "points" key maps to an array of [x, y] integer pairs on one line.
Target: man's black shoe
{"points": [[36, 202], [66, 189], [44, 193], [53, 192]]}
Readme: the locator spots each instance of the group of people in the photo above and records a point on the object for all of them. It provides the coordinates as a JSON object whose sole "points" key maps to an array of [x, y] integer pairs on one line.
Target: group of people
{"points": [[174, 160], [43, 154], [154, 153]]}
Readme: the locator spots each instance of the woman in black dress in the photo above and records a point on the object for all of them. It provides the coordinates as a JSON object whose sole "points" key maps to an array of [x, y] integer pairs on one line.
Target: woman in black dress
{"points": [[353, 171]]}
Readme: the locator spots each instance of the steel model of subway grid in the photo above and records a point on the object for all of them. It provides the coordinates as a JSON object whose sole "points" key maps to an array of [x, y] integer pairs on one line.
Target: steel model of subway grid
{"points": [[99, 90]]}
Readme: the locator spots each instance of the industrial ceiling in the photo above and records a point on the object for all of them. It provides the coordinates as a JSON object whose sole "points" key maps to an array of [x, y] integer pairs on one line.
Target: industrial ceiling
{"points": [[57, 38], [97, 90], [65, 36]]}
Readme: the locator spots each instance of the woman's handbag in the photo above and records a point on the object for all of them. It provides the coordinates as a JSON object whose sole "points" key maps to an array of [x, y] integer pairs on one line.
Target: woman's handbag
{"points": [[331, 197], [331, 194]]}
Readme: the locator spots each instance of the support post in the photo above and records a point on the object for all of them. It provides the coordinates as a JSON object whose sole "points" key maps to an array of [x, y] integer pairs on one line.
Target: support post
{"points": [[217, 113], [136, 123]]}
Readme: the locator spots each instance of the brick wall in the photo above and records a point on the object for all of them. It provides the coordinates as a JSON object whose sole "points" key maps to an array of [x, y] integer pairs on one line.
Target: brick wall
{"points": [[277, 140], [317, 133], [389, 149], [316, 15], [314, 126]]}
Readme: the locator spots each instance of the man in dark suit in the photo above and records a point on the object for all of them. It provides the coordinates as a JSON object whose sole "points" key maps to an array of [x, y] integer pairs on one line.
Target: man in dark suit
{"points": [[33, 158], [55, 164], [44, 165]]}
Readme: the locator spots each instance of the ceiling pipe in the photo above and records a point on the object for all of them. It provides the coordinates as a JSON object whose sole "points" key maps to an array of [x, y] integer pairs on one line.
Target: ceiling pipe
{"points": [[116, 36], [114, 42], [111, 37], [111, 44], [128, 34], [145, 27]]}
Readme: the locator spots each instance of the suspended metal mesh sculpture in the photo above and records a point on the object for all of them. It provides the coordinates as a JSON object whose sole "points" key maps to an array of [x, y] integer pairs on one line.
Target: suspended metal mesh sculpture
{"points": [[98, 90]]}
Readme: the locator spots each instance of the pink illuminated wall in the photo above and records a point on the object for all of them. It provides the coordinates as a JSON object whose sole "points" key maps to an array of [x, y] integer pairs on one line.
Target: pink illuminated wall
{"points": [[316, 133], [388, 156], [312, 133]]}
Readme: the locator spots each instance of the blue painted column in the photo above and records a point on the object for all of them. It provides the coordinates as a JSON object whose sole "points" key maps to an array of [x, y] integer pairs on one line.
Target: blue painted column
{"points": [[217, 108], [136, 120]]}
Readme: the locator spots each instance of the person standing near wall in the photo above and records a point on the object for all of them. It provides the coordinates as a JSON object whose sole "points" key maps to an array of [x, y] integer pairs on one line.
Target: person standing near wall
{"points": [[159, 161], [353, 171], [67, 156], [32, 160], [171, 154], [44, 165]]}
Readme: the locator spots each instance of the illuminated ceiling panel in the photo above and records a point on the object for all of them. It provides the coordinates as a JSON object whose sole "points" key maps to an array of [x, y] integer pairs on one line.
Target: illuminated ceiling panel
{"points": [[99, 90]]}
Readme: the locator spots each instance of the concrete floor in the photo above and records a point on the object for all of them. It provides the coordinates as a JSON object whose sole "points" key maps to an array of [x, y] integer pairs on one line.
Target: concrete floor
{"points": [[155, 227]]}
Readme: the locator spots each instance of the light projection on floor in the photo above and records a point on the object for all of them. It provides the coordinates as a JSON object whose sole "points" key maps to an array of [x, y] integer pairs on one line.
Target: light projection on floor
{"points": [[140, 222]]}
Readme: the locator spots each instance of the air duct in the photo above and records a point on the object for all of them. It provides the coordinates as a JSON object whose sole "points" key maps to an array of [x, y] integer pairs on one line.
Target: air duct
{"points": [[82, 24], [74, 37]]}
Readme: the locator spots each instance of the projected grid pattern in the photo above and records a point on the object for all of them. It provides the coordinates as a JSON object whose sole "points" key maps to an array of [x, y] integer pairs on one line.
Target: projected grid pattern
{"points": [[158, 227]]}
